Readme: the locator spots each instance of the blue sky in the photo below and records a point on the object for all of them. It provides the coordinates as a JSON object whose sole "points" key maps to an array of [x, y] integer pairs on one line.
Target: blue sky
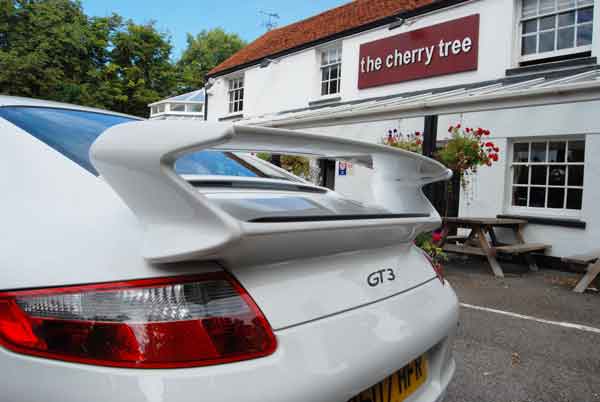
{"points": [[177, 17]]}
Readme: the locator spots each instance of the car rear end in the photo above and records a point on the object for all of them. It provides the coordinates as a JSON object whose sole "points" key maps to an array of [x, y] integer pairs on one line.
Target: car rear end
{"points": [[247, 286], [308, 330], [369, 322]]}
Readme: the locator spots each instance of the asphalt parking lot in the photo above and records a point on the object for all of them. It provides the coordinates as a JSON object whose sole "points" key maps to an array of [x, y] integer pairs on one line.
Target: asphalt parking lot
{"points": [[538, 356]]}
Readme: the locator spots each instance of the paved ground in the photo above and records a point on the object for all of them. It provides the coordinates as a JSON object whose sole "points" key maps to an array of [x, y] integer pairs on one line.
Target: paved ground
{"points": [[507, 359]]}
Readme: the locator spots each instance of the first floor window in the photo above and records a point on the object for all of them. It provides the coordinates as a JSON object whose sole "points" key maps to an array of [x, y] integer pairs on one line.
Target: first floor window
{"points": [[331, 71], [236, 95], [548, 174], [556, 26]]}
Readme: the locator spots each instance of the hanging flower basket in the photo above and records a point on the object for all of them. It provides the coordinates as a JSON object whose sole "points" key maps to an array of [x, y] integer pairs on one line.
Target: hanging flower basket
{"points": [[467, 150]]}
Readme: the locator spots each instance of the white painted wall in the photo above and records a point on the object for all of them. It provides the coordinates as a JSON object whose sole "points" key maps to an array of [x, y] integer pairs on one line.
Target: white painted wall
{"points": [[293, 81], [490, 194]]}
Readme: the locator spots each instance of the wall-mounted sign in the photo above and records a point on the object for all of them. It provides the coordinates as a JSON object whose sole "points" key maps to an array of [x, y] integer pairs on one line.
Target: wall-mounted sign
{"points": [[446, 48]]}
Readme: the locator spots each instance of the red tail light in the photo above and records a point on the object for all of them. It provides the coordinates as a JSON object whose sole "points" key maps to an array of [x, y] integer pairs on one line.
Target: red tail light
{"points": [[153, 323]]}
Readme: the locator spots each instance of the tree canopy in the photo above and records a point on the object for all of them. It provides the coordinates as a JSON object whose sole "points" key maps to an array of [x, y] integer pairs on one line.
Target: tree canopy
{"points": [[204, 52], [51, 49]]}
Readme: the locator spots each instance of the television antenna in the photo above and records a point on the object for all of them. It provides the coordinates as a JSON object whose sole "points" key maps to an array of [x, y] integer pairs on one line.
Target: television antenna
{"points": [[269, 19]]}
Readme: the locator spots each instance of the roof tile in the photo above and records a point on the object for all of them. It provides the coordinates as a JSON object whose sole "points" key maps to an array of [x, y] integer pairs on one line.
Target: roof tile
{"points": [[343, 18]]}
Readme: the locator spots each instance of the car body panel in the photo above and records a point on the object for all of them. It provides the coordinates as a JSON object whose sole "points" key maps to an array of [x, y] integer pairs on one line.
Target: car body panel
{"points": [[302, 290], [328, 360]]}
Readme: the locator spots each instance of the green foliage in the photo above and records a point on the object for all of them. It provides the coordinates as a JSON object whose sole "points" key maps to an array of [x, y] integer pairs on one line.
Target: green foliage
{"points": [[142, 69], [264, 156], [426, 242], [467, 150], [204, 52], [297, 165], [51, 49], [410, 142]]}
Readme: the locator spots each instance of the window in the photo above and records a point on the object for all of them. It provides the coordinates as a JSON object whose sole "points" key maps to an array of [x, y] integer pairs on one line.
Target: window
{"points": [[215, 163], [555, 27], [331, 71], [548, 174], [236, 95], [72, 132], [194, 107], [177, 107]]}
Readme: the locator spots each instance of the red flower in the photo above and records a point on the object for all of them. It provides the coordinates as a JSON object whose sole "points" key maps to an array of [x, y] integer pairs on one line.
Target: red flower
{"points": [[458, 125], [496, 149], [436, 237], [479, 131], [494, 157], [418, 142], [418, 133], [486, 132], [489, 144], [450, 129]]}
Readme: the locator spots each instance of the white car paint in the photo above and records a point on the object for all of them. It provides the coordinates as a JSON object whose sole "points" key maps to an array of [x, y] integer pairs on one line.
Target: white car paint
{"points": [[335, 334]]}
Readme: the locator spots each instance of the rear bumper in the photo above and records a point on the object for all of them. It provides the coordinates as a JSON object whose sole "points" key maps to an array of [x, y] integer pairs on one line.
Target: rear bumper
{"points": [[330, 360]]}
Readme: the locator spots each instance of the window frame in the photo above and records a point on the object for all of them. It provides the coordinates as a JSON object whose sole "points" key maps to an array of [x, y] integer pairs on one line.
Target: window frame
{"points": [[330, 66], [545, 211], [189, 108], [235, 105], [174, 106], [556, 52]]}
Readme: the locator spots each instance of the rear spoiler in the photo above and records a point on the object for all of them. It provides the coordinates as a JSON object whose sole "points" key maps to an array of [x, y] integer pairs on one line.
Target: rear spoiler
{"points": [[137, 160]]}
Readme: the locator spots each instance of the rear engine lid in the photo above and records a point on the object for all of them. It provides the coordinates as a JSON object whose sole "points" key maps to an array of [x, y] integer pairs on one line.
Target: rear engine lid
{"points": [[303, 290]]}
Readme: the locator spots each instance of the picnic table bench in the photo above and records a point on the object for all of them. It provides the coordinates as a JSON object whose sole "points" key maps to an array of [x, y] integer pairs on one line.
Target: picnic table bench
{"points": [[592, 263], [477, 243]]}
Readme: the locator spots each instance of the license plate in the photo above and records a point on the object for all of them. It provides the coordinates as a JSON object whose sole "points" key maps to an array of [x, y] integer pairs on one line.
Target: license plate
{"points": [[399, 385]]}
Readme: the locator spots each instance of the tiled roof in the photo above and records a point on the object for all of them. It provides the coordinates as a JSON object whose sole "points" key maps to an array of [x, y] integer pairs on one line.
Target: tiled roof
{"points": [[340, 19]]}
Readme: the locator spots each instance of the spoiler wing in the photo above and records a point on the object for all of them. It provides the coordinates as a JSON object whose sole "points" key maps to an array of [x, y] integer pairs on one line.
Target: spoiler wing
{"points": [[137, 160]]}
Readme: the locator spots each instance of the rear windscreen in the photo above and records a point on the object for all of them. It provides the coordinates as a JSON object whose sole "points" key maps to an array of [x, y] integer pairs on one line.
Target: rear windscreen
{"points": [[72, 132]]}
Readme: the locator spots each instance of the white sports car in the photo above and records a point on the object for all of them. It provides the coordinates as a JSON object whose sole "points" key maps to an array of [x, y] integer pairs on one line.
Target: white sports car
{"points": [[158, 261]]}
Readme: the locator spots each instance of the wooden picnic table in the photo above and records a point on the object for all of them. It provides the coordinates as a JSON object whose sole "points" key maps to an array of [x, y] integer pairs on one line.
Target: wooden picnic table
{"points": [[591, 262], [477, 242]]}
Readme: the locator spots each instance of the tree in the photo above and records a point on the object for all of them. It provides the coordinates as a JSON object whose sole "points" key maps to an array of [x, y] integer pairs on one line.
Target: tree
{"points": [[50, 49], [140, 67], [204, 52]]}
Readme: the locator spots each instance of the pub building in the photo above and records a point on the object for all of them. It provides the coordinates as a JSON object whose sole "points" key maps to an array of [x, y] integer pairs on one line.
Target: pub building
{"points": [[526, 70]]}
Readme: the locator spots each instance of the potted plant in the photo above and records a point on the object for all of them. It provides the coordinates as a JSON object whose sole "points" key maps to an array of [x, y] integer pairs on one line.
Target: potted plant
{"points": [[466, 150], [410, 142]]}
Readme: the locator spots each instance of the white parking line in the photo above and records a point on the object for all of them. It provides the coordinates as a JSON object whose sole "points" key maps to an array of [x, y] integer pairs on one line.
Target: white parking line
{"points": [[530, 318]]}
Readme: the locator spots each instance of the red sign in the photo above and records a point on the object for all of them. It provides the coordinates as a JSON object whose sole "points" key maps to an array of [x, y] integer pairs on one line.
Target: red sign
{"points": [[446, 48]]}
